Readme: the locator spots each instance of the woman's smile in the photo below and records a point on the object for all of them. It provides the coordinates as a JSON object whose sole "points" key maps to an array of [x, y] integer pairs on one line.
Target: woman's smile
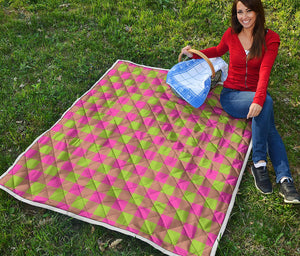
{"points": [[245, 16]]}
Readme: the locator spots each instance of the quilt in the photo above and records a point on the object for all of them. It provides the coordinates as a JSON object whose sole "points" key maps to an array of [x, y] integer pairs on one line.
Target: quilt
{"points": [[131, 156]]}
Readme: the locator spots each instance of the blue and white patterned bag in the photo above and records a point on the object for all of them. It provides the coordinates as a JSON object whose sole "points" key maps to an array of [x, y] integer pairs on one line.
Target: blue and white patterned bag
{"points": [[191, 80]]}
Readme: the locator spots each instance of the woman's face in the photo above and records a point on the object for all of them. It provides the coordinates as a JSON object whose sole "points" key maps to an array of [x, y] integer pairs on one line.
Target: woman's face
{"points": [[245, 16]]}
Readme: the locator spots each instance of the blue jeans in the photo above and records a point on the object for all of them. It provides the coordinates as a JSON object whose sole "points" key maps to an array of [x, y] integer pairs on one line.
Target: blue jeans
{"points": [[265, 137]]}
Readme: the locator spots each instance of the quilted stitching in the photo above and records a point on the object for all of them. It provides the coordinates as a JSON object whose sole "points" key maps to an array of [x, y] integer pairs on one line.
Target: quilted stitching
{"points": [[132, 155]]}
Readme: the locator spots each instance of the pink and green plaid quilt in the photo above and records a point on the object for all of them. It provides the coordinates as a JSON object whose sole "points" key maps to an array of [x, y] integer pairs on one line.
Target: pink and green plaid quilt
{"points": [[132, 157]]}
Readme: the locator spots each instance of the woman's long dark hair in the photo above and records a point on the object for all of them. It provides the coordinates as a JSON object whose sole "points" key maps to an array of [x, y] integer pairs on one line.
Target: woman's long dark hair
{"points": [[259, 27]]}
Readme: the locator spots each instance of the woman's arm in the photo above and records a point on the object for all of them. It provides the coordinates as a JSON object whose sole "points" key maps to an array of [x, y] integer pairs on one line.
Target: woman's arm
{"points": [[265, 71], [270, 55]]}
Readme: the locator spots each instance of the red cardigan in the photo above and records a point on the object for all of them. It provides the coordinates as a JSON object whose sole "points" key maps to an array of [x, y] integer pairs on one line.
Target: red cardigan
{"points": [[252, 75]]}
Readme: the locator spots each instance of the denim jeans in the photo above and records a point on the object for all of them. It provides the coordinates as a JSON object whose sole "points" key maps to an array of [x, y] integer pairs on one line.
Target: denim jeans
{"points": [[265, 137]]}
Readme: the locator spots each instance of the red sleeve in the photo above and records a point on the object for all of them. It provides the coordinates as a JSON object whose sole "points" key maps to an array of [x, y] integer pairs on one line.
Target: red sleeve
{"points": [[272, 43], [218, 50]]}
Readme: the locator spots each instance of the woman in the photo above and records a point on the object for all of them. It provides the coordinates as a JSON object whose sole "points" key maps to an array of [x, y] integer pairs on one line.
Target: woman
{"points": [[253, 50]]}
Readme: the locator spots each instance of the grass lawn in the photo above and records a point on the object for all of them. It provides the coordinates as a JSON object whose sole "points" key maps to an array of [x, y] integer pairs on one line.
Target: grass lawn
{"points": [[52, 51]]}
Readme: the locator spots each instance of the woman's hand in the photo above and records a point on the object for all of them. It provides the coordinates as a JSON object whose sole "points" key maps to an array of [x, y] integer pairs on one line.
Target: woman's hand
{"points": [[185, 51], [254, 110]]}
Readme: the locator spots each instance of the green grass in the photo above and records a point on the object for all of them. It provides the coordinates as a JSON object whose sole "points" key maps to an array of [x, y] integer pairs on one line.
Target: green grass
{"points": [[52, 51]]}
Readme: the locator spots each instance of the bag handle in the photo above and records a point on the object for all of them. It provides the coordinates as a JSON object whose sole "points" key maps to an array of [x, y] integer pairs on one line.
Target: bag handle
{"points": [[204, 57]]}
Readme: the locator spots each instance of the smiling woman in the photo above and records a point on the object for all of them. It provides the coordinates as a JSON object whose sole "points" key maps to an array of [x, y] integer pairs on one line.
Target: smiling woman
{"points": [[248, 21], [253, 50]]}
